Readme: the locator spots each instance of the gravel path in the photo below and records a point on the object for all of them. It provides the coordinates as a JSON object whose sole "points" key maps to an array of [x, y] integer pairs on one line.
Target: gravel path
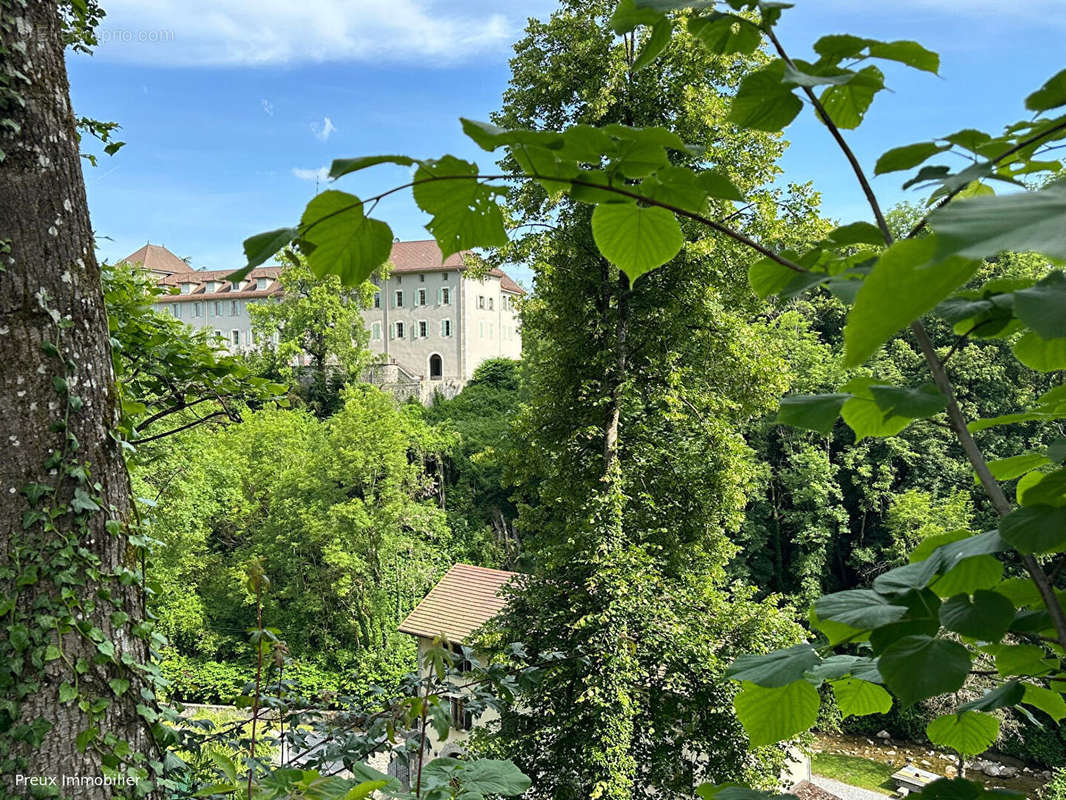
{"points": [[845, 791]]}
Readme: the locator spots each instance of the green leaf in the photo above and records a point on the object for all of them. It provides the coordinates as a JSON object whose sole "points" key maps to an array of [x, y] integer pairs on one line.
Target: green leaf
{"points": [[465, 212], [847, 104], [863, 609], [969, 575], [1047, 700], [903, 285], [813, 412], [917, 667], [925, 401], [490, 776], [911, 155], [342, 166], [67, 693], [970, 733], [1051, 95], [119, 685], [768, 277], [1007, 469], [839, 666], [763, 102], [725, 33], [1043, 355], [778, 668], [771, 715], [1043, 307], [906, 52], [864, 416], [906, 578], [628, 15], [717, 184], [857, 233], [1043, 488], [835, 632], [1019, 659], [262, 246], [980, 227], [636, 239], [1004, 695], [364, 790], [860, 698], [1035, 529], [929, 544], [986, 615], [836, 47], [346, 242], [655, 44]]}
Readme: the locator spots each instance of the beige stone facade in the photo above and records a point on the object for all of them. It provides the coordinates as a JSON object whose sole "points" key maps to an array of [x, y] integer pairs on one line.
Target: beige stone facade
{"points": [[432, 321]]}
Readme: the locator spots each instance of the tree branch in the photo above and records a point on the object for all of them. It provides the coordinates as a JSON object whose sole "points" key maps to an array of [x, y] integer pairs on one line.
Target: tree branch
{"points": [[867, 190]]}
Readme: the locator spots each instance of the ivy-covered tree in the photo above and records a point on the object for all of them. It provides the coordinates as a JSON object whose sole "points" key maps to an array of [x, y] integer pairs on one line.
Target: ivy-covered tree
{"points": [[74, 649], [622, 409]]}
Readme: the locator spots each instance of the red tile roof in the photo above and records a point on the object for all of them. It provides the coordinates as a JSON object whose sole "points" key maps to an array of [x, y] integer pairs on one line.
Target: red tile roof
{"points": [[225, 290], [425, 256], [506, 284], [418, 256], [156, 257], [422, 255], [462, 601]]}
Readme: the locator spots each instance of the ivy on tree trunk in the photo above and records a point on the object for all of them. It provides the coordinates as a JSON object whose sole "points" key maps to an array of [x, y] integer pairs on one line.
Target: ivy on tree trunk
{"points": [[68, 575]]}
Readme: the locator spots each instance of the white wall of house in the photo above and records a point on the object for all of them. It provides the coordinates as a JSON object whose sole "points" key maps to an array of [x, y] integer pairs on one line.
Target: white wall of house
{"points": [[456, 738], [228, 317], [441, 324]]}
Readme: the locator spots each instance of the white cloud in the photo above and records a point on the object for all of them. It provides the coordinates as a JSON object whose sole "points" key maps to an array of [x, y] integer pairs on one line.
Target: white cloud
{"points": [[268, 107], [236, 32], [321, 174], [323, 129]]}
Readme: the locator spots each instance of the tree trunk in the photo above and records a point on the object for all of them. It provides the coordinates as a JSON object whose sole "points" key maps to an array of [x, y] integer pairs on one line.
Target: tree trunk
{"points": [[63, 476]]}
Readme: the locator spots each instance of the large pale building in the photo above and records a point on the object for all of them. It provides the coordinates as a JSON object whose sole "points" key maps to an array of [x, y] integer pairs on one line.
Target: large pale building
{"points": [[432, 322]]}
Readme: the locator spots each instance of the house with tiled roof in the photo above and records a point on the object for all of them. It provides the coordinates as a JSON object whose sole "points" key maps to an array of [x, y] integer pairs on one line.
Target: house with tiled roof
{"points": [[461, 602], [432, 322], [435, 320]]}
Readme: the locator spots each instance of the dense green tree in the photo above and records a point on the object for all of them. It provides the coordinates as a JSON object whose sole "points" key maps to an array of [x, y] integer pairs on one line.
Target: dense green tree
{"points": [[631, 467], [478, 495], [313, 336], [832, 513], [345, 514]]}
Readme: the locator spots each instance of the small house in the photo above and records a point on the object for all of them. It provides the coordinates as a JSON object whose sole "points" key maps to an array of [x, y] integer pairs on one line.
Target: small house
{"points": [[463, 600]]}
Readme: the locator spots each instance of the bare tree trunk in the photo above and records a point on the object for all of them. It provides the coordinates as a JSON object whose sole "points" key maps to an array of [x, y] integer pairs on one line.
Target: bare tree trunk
{"points": [[62, 476]]}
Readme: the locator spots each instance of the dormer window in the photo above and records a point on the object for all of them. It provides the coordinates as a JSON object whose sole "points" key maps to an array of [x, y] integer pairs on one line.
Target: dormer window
{"points": [[212, 286], [262, 283], [188, 286]]}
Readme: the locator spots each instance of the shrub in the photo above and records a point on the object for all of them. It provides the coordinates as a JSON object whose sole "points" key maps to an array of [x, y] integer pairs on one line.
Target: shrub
{"points": [[1056, 787]]}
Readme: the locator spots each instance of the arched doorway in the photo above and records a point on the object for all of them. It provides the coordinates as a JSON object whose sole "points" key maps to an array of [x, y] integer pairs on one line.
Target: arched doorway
{"points": [[436, 367]]}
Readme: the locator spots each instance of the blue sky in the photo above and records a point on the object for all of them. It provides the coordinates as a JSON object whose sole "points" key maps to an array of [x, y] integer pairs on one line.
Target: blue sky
{"points": [[231, 108]]}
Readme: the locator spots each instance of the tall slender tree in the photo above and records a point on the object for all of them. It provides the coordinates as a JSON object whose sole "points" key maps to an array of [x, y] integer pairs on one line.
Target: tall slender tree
{"points": [[69, 589], [633, 469]]}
